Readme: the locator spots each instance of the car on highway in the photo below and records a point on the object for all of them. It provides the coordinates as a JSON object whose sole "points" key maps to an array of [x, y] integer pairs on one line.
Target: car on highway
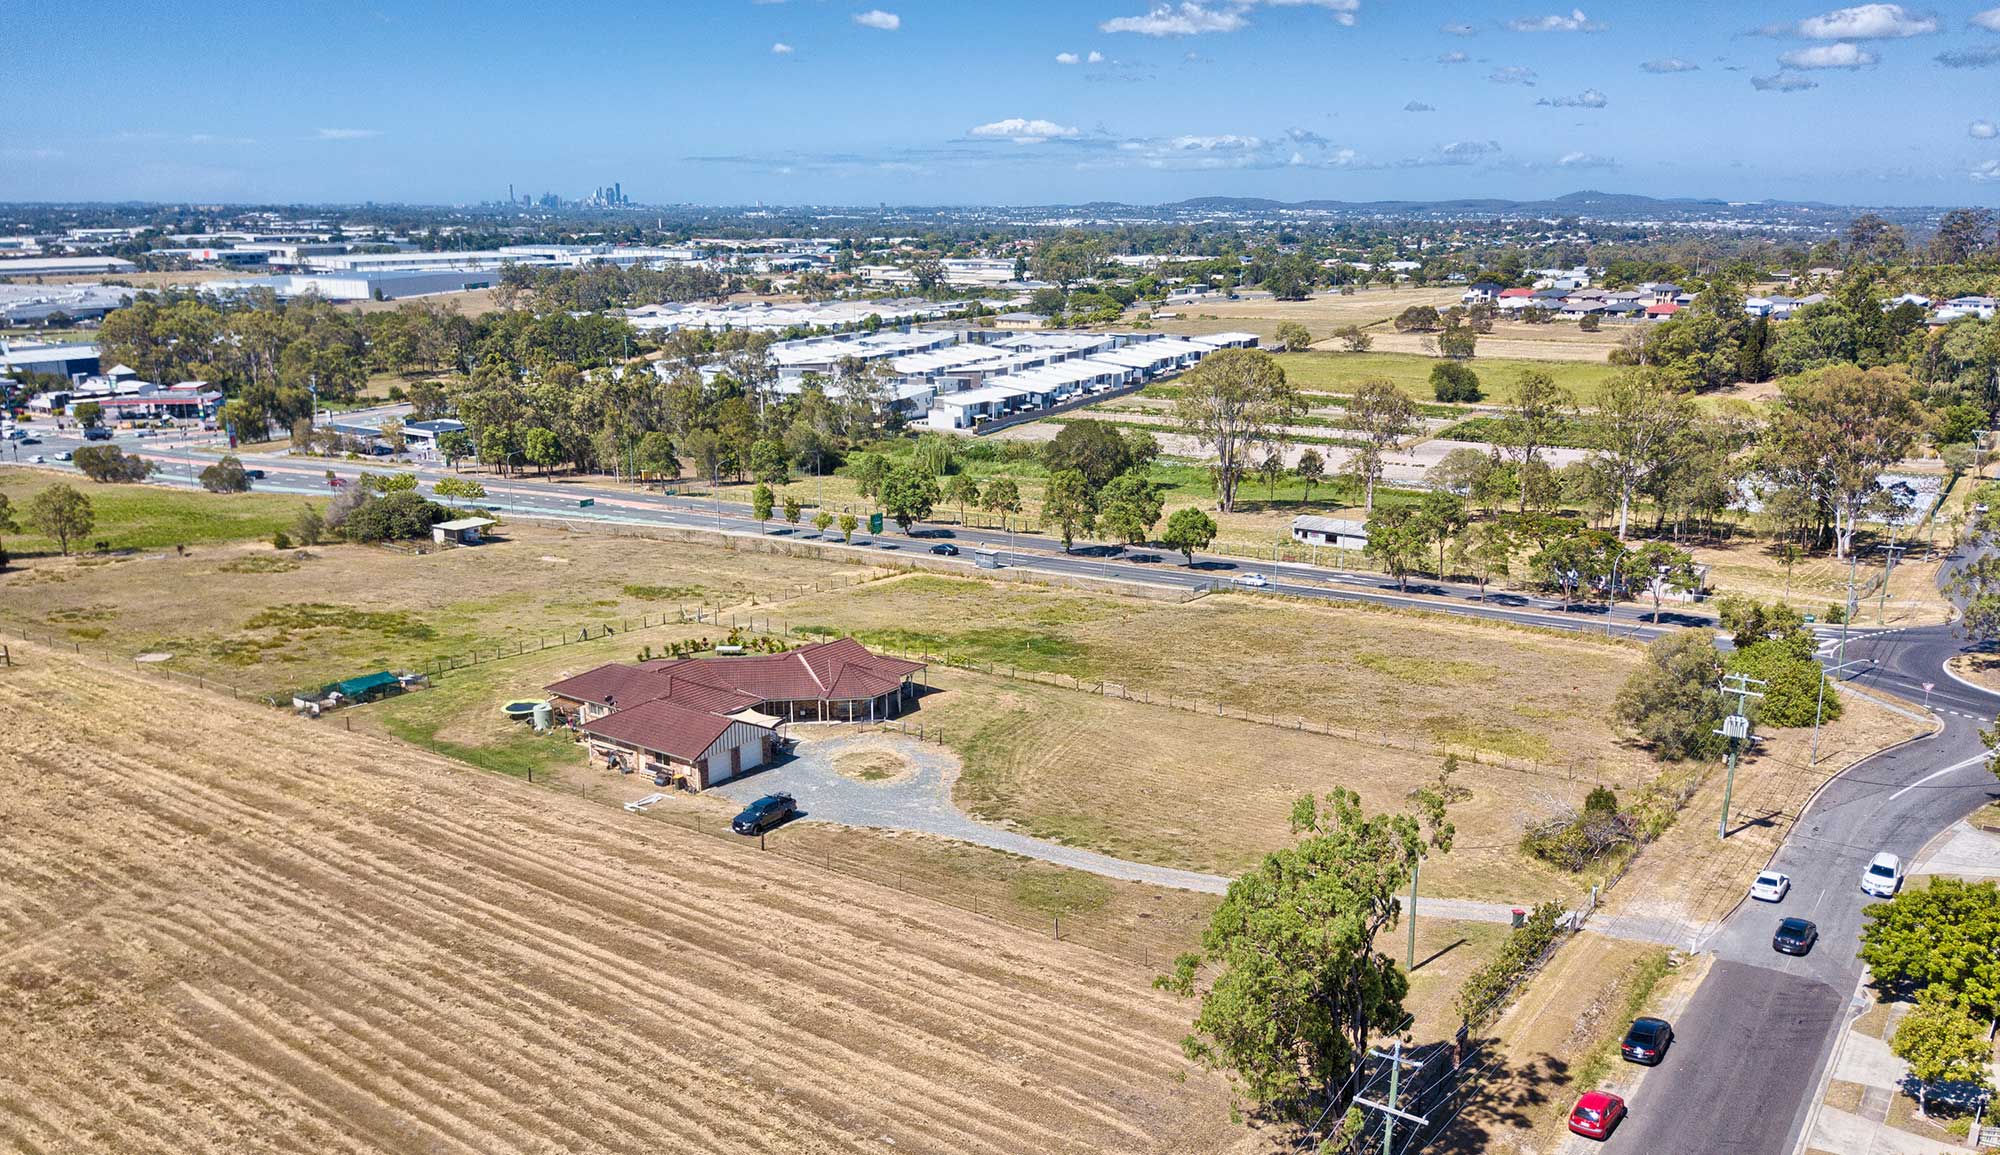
{"points": [[254, 474], [97, 433], [38, 459], [945, 549], [1770, 886], [1647, 1041], [1883, 877], [1795, 936], [1253, 580], [31, 441], [764, 813], [65, 455], [1596, 1114]]}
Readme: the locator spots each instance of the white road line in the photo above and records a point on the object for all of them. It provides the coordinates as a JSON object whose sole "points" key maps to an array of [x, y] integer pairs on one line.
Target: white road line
{"points": [[1972, 761]]}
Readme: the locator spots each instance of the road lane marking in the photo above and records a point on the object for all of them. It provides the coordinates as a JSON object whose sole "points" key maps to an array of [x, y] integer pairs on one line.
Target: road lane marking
{"points": [[1972, 761]]}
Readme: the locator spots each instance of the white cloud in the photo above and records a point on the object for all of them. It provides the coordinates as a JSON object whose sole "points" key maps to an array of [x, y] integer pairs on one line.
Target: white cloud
{"points": [[1670, 64], [1457, 29], [1458, 152], [1022, 131], [1585, 160], [1576, 21], [877, 19], [1986, 172], [1186, 19], [1513, 74], [1989, 20], [1867, 22], [1068, 58], [1452, 58], [781, 49], [1982, 130], [346, 133], [1194, 17], [1094, 58], [1783, 82], [1224, 143], [1588, 98], [1841, 55], [1419, 106]]}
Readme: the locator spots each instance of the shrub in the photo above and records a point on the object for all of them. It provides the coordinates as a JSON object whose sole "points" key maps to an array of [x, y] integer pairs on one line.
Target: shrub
{"points": [[1479, 998], [393, 517], [1453, 381], [110, 463], [280, 541], [1602, 800]]}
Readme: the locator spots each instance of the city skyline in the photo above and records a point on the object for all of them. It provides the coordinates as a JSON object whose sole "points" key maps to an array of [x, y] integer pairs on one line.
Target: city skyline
{"points": [[1030, 103]]}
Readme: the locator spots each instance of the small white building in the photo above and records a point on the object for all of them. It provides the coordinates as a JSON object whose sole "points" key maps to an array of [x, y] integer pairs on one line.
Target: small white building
{"points": [[1339, 532]]}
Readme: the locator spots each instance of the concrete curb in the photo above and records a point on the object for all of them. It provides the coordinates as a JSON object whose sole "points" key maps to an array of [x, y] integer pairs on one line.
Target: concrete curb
{"points": [[1937, 727], [1967, 683], [1845, 1027]]}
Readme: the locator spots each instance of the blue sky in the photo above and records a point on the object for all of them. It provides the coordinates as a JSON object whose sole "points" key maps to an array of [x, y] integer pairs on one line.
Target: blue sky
{"points": [[955, 102]]}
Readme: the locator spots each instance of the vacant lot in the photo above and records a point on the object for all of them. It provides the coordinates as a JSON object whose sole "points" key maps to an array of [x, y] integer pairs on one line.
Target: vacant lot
{"points": [[1321, 315], [1556, 341], [261, 934], [1520, 694], [150, 517], [1191, 790], [267, 621]]}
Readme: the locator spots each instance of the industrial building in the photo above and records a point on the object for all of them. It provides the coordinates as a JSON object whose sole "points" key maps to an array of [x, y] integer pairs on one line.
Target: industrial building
{"points": [[31, 304], [63, 266], [70, 361], [380, 285]]}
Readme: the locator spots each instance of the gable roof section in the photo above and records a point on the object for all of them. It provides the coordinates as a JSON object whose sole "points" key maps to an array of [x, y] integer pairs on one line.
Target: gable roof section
{"points": [[603, 685], [665, 727], [838, 670]]}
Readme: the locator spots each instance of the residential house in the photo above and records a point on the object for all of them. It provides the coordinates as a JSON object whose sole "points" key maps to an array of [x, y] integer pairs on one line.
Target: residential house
{"points": [[1340, 532], [700, 721], [1480, 291], [1662, 310]]}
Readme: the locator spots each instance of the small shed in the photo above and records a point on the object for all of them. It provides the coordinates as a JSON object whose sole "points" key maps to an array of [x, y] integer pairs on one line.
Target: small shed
{"points": [[1339, 532], [461, 531], [367, 687]]}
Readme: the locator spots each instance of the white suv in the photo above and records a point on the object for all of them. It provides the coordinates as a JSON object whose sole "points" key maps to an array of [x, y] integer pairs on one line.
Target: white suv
{"points": [[1883, 876]]}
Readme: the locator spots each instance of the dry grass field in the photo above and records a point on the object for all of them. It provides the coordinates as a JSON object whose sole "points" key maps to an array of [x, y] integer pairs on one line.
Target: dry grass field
{"points": [[1322, 314], [1180, 788], [268, 621], [1528, 695], [1552, 342], [225, 930]]}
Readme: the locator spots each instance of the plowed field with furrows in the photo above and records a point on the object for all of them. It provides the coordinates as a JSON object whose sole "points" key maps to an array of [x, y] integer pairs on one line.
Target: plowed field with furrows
{"points": [[223, 929]]}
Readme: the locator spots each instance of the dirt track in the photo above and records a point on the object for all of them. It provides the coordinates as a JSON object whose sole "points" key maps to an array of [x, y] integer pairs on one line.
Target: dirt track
{"points": [[225, 930]]}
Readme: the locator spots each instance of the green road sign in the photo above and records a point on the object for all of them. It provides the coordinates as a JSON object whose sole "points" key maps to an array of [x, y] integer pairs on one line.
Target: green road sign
{"points": [[874, 523]]}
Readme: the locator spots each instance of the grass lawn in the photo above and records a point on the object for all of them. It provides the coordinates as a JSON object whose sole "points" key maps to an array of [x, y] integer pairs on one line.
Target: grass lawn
{"points": [[150, 516], [1411, 372]]}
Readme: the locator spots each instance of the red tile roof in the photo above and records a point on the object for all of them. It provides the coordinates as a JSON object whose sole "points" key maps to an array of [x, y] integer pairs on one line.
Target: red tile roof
{"points": [[1663, 309], [1517, 292], [677, 706], [680, 732]]}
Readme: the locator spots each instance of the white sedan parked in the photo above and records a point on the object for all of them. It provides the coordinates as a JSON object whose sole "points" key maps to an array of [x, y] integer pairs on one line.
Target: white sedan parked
{"points": [[1771, 887]]}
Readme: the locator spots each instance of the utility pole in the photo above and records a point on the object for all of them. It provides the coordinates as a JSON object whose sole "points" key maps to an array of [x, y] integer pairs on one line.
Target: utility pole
{"points": [[1736, 728], [1847, 617], [1390, 1110], [1892, 549], [1410, 956], [1819, 707]]}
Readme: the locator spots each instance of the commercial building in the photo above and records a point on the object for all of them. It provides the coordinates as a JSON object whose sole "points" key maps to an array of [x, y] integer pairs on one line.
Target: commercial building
{"points": [[378, 285], [63, 266], [69, 361]]}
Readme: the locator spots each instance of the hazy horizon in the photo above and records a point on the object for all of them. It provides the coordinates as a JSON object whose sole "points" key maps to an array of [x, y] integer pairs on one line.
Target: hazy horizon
{"points": [[1034, 103]]}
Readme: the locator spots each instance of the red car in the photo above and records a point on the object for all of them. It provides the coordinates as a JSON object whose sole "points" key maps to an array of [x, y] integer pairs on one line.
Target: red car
{"points": [[1596, 1114]]}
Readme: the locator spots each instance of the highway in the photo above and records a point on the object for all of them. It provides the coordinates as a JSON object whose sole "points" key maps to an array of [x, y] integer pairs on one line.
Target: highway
{"points": [[180, 459]]}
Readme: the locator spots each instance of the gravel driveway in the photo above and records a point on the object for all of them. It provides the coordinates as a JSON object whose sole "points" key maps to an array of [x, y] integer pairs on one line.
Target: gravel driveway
{"points": [[922, 802]]}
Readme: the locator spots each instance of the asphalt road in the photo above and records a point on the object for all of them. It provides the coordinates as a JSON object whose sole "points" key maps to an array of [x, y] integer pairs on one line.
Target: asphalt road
{"points": [[1760, 1030], [181, 458]]}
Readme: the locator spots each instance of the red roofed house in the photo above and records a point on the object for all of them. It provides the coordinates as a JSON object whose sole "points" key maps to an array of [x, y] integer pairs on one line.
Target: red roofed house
{"points": [[701, 721], [1662, 310]]}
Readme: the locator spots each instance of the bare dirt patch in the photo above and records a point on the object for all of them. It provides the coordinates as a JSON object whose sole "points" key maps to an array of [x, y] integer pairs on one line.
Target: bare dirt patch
{"points": [[1982, 670], [874, 762], [262, 933]]}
